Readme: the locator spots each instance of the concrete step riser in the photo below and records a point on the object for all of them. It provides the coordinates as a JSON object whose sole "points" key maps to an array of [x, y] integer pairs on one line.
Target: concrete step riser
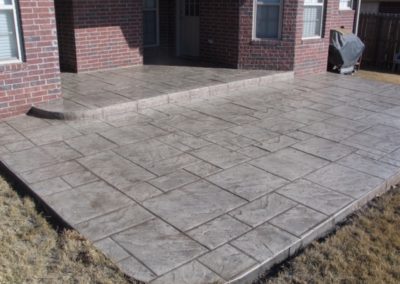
{"points": [[184, 96]]}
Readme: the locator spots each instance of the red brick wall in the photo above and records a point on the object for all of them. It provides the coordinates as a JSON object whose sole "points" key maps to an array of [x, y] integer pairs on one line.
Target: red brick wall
{"points": [[267, 54], [219, 25], [311, 56], [290, 52], [37, 79], [107, 34]]}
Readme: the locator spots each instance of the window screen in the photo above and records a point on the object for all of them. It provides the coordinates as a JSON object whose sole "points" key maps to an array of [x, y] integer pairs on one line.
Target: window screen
{"points": [[9, 32], [312, 18], [267, 18]]}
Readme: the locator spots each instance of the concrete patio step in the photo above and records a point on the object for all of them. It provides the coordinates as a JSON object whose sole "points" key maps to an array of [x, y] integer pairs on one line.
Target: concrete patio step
{"points": [[68, 110]]}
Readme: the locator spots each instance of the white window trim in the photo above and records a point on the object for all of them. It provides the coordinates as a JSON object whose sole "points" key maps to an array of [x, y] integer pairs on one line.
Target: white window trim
{"points": [[322, 20], [254, 28], [157, 9], [14, 7], [346, 8]]}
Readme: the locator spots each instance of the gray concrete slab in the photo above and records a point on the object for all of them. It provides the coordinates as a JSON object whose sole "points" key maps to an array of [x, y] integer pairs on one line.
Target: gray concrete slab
{"points": [[262, 209], [86, 202], [48, 172], [30, 159], [61, 151], [264, 242], [9, 135], [173, 247], [345, 180], [218, 231], [219, 156], [132, 267], [247, 181], [173, 180], [111, 249], [227, 261], [172, 164], [289, 163], [90, 144], [298, 220], [315, 196], [191, 273], [106, 225], [277, 143], [54, 133], [329, 131], [50, 186], [79, 178], [254, 132], [147, 151], [193, 204], [114, 169], [220, 183], [323, 148]]}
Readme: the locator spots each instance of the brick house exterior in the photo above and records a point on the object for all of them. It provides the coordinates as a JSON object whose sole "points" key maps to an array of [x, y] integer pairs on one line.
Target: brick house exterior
{"points": [[37, 78], [102, 34]]}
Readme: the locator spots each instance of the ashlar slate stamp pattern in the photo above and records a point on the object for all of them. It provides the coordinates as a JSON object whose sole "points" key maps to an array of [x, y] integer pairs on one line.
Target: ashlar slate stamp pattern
{"points": [[209, 190]]}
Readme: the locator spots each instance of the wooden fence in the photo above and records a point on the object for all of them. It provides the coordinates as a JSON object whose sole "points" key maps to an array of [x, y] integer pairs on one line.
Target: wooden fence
{"points": [[381, 36]]}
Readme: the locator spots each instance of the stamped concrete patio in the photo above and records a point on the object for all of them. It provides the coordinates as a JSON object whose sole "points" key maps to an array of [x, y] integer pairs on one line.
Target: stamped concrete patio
{"points": [[214, 189]]}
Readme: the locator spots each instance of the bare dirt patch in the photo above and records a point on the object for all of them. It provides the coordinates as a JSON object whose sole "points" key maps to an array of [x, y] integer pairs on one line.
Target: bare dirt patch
{"points": [[379, 76], [366, 249], [32, 251]]}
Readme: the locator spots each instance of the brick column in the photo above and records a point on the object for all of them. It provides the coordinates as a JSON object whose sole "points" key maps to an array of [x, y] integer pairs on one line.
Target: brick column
{"points": [[100, 34]]}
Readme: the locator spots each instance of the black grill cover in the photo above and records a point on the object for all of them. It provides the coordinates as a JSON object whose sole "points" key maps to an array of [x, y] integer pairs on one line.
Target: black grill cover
{"points": [[345, 49]]}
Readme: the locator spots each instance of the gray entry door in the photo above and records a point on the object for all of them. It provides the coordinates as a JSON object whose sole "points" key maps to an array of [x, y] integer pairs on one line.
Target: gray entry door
{"points": [[189, 28]]}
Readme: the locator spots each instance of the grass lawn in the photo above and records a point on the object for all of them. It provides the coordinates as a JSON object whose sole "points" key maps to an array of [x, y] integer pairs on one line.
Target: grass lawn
{"points": [[364, 250], [31, 251]]}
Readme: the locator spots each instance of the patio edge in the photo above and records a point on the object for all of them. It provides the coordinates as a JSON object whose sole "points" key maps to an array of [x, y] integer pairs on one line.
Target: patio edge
{"points": [[320, 231]]}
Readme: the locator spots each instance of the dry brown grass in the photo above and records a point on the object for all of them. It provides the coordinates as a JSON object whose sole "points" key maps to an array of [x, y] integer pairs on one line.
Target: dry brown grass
{"points": [[365, 250], [31, 251], [379, 76]]}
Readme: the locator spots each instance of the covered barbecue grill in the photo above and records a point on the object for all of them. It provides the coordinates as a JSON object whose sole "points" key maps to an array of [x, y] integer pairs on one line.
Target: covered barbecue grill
{"points": [[345, 50]]}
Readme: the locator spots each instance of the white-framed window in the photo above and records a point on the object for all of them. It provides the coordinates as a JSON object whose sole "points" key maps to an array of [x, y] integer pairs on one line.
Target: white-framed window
{"points": [[345, 4], [313, 18], [150, 23], [267, 19], [10, 37]]}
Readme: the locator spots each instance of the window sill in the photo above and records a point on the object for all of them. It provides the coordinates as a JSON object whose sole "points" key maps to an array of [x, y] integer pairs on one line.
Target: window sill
{"points": [[12, 65], [12, 61], [265, 41], [312, 40], [345, 11]]}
